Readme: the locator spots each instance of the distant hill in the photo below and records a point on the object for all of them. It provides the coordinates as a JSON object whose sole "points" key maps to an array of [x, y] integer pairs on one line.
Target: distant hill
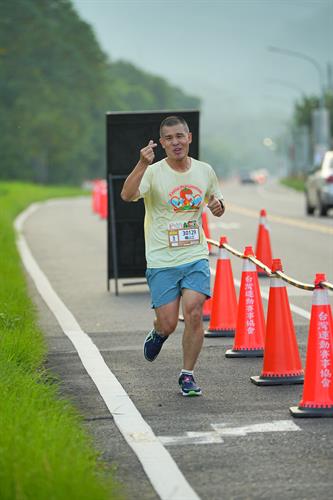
{"points": [[56, 85]]}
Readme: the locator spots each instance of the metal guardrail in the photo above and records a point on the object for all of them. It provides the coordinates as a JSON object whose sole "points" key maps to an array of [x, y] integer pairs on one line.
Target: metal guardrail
{"points": [[281, 274]]}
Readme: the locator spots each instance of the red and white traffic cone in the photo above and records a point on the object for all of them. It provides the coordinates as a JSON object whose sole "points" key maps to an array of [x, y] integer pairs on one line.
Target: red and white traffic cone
{"points": [[250, 328], [317, 400], [263, 245], [224, 305], [282, 363]]}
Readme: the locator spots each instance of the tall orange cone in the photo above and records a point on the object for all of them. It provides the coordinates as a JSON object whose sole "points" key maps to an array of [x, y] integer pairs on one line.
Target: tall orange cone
{"points": [[282, 363], [263, 245], [205, 228], [224, 304], [317, 400], [250, 327], [207, 309]]}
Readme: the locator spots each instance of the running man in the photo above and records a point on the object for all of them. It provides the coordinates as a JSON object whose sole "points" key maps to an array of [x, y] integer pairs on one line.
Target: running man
{"points": [[175, 191]]}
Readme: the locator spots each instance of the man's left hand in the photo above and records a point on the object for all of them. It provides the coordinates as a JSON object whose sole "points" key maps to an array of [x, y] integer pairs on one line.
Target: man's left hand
{"points": [[215, 206]]}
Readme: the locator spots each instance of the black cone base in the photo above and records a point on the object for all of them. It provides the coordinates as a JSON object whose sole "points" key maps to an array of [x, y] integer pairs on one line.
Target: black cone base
{"points": [[219, 333], [245, 353], [303, 412], [295, 379]]}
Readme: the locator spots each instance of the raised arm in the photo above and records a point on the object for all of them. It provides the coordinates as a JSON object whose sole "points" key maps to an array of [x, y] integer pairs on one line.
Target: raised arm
{"points": [[131, 185]]}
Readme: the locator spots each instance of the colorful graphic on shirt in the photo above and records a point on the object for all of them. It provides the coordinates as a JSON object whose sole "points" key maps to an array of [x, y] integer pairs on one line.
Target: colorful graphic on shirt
{"points": [[187, 197]]}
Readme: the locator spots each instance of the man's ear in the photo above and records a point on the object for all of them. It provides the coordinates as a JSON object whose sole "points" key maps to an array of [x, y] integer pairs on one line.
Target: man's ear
{"points": [[162, 142], [190, 137]]}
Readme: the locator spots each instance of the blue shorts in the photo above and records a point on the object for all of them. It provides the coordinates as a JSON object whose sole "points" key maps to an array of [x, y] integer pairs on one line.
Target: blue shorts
{"points": [[166, 283]]}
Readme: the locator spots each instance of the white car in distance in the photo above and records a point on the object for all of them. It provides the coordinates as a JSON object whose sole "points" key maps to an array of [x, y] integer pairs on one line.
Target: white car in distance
{"points": [[319, 187]]}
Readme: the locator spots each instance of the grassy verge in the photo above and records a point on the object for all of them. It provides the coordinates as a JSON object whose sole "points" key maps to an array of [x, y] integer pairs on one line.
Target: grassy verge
{"points": [[44, 450], [296, 183]]}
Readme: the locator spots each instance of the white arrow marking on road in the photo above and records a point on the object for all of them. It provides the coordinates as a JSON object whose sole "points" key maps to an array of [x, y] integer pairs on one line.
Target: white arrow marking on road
{"points": [[220, 430]]}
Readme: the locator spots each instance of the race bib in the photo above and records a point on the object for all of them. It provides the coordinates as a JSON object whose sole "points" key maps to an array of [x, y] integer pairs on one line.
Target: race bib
{"points": [[183, 234]]}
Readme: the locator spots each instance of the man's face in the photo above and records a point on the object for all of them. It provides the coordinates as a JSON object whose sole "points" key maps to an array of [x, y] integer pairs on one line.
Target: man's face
{"points": [[176, 141]]}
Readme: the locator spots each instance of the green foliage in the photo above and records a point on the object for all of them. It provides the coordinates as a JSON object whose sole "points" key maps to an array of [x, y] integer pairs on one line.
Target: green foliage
{"points": [[303, 109], [56, 85], [136, 89], [44, 449], [296, 183]]}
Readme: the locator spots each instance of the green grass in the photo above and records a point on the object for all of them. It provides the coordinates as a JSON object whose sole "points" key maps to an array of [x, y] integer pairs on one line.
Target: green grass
{"points": [[296, 183], [45, 451]]}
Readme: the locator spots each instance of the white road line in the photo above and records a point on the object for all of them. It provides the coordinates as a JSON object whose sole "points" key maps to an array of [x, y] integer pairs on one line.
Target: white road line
{"points": [[163, 473], [297, 310]]}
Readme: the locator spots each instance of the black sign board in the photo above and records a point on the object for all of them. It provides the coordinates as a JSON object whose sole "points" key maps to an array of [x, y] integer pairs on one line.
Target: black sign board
{"points": [[127, 133]]}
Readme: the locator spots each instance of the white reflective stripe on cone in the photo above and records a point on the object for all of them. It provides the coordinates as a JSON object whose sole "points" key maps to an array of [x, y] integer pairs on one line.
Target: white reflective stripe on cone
{"points": [[223, 254], [249, 266], [320, 297], [277, 283], [263, 222]]}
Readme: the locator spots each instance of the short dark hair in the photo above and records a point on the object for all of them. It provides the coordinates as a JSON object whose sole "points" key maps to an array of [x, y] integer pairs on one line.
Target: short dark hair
{"points": [[170, 121]]}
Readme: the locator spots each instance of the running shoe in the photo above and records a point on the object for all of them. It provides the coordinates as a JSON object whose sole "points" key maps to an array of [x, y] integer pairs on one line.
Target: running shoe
{"points": [[188, 386], [153, 345]]}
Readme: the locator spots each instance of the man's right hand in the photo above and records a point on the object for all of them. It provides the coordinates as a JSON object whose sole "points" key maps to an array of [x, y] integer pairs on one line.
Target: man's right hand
{"points": [[147, 154]]}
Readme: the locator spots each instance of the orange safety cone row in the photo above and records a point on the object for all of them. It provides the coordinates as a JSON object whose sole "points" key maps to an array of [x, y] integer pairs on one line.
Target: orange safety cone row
{"points": [[263, 245], [250, 327], [317, 399], [205, 228], [224, 304], [282, 363]]}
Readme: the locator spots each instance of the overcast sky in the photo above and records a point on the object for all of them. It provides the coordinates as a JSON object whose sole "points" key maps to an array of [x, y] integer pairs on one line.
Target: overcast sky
{"points": [[217, 49]]}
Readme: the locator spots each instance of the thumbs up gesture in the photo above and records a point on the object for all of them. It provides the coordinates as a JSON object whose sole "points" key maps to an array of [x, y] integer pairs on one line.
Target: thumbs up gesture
{"points": [[215, 206]]}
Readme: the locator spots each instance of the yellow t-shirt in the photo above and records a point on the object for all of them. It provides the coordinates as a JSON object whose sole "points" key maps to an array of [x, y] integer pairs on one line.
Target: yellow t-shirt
{"points": [[174, 202]]}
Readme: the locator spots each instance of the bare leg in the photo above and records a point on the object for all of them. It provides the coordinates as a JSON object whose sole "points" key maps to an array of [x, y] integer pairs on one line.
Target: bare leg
{"points": [[167, 317], [193, 333]]}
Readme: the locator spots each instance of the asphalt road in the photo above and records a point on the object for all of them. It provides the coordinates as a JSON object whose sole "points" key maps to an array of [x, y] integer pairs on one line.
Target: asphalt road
{"points": [[69, 244]]}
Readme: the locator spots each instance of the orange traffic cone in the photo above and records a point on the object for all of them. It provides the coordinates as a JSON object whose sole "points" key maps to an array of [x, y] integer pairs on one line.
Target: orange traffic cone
{"points": [[263, 245], [104, 201], [207, 309], [96, 196], [250, 327], [282, 363], [205, 228], [317, 400], [224, 305]]}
